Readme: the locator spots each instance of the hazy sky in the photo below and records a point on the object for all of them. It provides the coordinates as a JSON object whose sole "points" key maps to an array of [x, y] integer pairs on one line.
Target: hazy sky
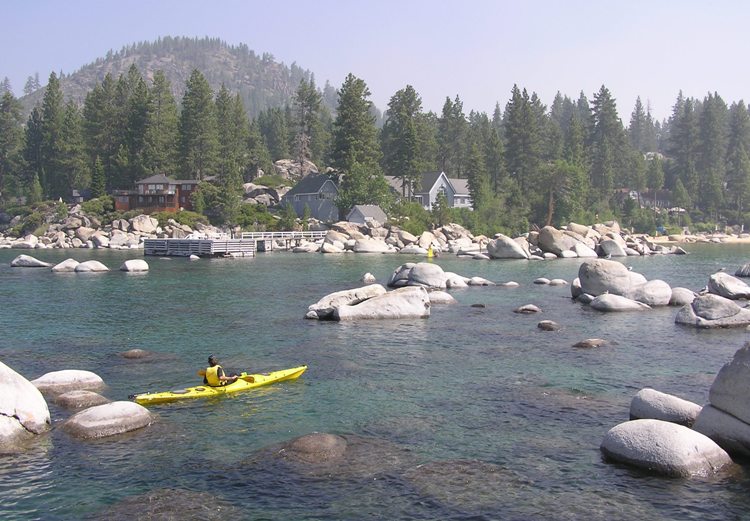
{"points": [[476, 49]]}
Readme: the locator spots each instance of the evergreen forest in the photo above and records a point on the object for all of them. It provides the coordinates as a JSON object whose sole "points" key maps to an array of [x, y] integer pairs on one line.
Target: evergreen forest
{"points": [[526, 164]]}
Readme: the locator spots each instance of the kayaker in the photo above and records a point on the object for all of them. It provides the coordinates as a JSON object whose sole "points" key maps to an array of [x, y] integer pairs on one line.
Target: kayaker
{"points": [[215, 376]]}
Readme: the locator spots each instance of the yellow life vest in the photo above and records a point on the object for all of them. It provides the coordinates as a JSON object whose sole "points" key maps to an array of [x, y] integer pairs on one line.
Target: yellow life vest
{"points": [[212, 376]]}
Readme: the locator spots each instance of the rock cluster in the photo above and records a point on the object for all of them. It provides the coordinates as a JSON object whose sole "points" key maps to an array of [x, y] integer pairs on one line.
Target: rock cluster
{"points": [[79, 230], [24, 413], [575, 241], [608, 285], [418, 286], [659, 436]]}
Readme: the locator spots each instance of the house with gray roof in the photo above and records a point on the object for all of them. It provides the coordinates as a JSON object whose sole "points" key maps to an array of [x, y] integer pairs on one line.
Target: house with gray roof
{"points": [[318, 192], [364, 213], [431, 185]]}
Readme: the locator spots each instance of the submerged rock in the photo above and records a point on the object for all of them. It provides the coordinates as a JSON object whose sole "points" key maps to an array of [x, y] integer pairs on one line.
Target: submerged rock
{"points": [[171, 504], [108, 420]]}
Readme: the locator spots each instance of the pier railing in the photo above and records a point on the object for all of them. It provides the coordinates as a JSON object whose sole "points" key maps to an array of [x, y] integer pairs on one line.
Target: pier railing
{"points": [[284, 236]]}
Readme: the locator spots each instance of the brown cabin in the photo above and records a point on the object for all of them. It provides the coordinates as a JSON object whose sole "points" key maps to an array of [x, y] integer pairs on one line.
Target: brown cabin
{"points": [[157, 193]]}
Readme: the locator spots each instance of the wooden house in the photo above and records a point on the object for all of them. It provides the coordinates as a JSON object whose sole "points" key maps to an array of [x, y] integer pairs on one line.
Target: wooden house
{"points": [[157, 193]]}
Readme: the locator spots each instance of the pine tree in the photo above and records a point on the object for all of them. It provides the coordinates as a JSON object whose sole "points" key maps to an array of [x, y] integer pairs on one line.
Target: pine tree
{"points": [[400, 141], [738, 162], [160, 140], [99, 129], [98, 187], [655, 176], [72, 164], [523, 139], [32, 155], [637, 130], [275, 131], [259, 158], [198, 133], [354, 131], [683, 143], [608, 167], [712, 153], [233, 137], [53, 121], [452, 137], [11, 139], [6, 87], [307, 104], [478, 179]]}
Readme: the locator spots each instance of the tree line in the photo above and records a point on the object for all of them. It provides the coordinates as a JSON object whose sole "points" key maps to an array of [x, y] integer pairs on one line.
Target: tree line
{"points": [[526, 164]]}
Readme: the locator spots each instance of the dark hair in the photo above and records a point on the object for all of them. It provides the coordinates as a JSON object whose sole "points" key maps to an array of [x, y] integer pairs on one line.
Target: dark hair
{"points": [[212, 359]]}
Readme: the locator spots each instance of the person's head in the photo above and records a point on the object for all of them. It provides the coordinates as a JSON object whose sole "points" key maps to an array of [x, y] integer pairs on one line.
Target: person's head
{"points": [[212, 361]]}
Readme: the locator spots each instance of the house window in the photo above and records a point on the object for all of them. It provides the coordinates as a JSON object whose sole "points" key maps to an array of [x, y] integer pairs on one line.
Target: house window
{"points": [[187, 188], [161, 199], [140, 198], [296, 198]]}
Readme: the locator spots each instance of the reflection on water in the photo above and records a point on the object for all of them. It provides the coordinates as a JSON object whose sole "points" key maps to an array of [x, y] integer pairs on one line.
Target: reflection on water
{"points": [[507, 419]]}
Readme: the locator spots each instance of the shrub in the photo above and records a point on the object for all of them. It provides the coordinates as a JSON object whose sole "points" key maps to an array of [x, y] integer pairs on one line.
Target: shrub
{"points": [[101, 207], [272, 181], [255, 217], [183, 217]]}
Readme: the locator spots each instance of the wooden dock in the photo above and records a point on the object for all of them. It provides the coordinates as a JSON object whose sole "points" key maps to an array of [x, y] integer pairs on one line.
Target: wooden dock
{"points": [[200, 247], [243, 246]]}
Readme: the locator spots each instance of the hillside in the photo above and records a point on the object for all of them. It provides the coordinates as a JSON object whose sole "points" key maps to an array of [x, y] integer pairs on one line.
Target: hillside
{"points": [[261, 81]]}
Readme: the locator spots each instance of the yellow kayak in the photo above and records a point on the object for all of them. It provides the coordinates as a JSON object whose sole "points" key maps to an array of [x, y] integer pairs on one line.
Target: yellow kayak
{"points": [[244, 383]]}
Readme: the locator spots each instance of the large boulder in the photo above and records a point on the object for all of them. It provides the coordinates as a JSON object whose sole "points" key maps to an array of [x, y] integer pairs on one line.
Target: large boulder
{"points": [[731, 387], [66, 266], [555, 241], [324, 308], [80, 399], [368, 245], [27, 261], [584, 251], [409, 302], [724, 284], [731, 433], [91, 266], [144, 224], [665, 448], [655, 405], [317, 447], [58, 382], [600, 276], [681, 297], [419, 274], [712, 311], [610, 303], [503, 247], [134, 265], [107, 420], [23, 410], [611, 248], [654, 293]]}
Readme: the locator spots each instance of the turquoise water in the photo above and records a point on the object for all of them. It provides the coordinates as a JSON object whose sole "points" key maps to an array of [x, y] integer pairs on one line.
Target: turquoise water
{"points": [[469, 388]]}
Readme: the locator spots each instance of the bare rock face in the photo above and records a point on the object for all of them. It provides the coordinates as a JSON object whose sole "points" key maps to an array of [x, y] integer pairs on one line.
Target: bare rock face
{"points": [[23, 410], [293, 170], [681, 297], [408, 302], [555, 241], [612, 303], [731, 387], [712, 311], [323, 309], [91, 266], [144, 224], [665, 448], [27, 261], [108, 420], [655, 405], [134, 265], [58, 382], [419, 274], [503, 247], [80, 399], [725, 285], [605, 276], [66, 266]]}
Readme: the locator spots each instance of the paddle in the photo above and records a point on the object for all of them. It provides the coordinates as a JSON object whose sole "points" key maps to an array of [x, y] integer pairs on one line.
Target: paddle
{"points": [[244, 376]]}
